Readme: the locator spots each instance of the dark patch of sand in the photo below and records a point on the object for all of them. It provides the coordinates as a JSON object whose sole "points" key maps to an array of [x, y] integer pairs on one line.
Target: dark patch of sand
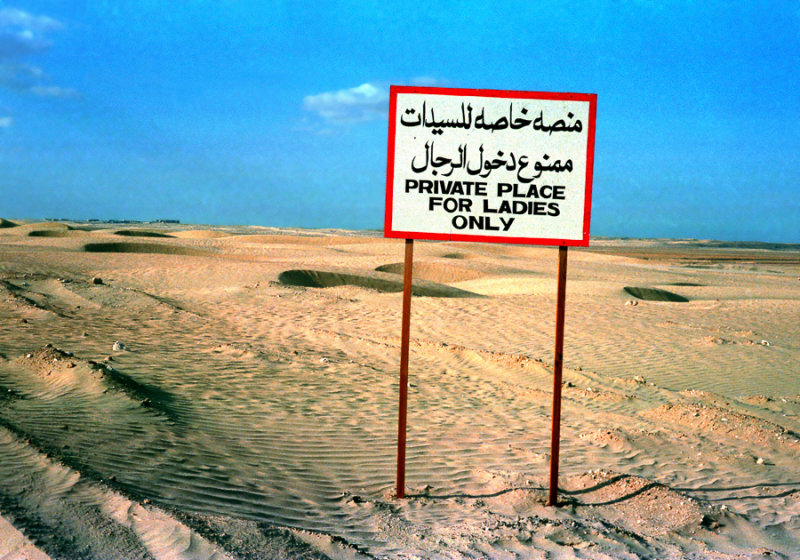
{"points": [[141, 233], [153, 248], [323, 279], [654, 294], [50, 232]]}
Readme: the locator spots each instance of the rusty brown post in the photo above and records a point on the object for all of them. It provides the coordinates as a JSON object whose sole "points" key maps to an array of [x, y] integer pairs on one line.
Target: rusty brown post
{"points": [[558, 362], [404, 341]]}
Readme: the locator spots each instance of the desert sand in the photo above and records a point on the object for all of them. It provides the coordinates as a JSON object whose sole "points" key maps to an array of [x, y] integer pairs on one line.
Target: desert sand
{"points": [[175, 392]]}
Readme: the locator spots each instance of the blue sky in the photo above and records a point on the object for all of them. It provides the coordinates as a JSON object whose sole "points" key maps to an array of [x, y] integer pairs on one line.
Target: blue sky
{"points": [[251, 112]]}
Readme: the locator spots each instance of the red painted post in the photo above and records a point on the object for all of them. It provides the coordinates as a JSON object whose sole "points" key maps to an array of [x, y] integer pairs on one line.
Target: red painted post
{"points": [[558, 362], [404, 340]]}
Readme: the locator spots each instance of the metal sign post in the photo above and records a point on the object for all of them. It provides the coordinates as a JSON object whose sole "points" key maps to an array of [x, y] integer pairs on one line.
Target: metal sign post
{"points": [[558, 362], [404, 340]]}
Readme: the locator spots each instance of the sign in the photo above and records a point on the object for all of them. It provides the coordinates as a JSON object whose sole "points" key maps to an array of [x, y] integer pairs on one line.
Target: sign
{"points": [[488, 165]]}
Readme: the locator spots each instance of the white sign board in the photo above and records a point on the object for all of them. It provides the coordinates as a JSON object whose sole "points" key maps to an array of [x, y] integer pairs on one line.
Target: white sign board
{"points": [[486, 165]]}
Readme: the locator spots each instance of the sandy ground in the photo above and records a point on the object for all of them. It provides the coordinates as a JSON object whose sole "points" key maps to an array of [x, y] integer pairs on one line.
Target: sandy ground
{"points": [[172, 392]]}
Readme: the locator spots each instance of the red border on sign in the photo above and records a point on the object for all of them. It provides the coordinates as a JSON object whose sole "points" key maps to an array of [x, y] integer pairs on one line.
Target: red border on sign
{"points": [[591, 98]]}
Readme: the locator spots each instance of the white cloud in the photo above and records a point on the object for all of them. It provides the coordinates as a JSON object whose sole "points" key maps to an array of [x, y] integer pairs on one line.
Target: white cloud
{"points": [[15, 17], [54, 91], [366, 102], [20, 77], [24, 33]]}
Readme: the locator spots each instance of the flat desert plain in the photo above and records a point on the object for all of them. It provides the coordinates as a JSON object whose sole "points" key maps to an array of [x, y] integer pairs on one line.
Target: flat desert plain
{"points": [[169, 391]]}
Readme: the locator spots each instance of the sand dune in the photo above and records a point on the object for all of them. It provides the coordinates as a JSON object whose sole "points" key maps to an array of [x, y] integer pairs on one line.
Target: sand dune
{"points": [[43, 229], [249, 409], [435, 272], [324, 279]]}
